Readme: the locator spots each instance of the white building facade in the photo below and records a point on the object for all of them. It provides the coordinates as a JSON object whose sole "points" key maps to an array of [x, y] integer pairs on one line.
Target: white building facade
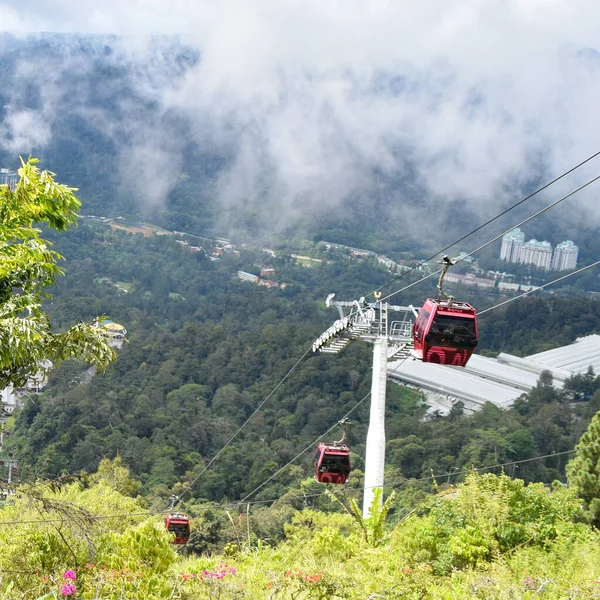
{"points": [[8, 177], [516, 250], [565, 256], [537, 253], [512, 244]]}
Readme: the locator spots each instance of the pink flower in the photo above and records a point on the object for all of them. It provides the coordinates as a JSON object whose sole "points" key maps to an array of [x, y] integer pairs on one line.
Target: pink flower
{"points": [[529, 583], [70, 575], [68, 590]]}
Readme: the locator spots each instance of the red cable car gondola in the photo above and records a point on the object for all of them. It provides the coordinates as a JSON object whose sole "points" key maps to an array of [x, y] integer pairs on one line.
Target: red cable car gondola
{"points": [[445, 331], [178, 524], [332, 461]]}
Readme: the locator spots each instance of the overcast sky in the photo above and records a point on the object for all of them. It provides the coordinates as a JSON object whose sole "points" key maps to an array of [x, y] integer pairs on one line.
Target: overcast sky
{"points": [[320, 93]]}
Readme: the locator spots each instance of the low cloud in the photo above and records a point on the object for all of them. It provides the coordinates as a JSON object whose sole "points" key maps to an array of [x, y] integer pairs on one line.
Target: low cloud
{"points": [[316, 104]]}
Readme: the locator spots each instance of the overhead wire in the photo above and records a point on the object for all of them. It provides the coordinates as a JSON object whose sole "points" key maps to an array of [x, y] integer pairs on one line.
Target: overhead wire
{"points": [[228, 442], [489, 221], [244, 500], [302, 452], [497, 237], [537, 288], [259, 407], [291, 461], [405, 480], [311, 495]]}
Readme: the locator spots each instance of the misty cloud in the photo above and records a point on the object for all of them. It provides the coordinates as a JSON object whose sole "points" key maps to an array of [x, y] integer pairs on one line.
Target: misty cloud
{"points": [[315, 103]]}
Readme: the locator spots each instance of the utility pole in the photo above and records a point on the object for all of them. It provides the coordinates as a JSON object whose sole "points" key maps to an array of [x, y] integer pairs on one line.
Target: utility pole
{"points": [[369, 322]]}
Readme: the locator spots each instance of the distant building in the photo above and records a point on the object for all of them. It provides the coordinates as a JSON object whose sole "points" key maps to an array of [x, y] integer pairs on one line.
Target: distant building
{"points": [[537, 253], [470, 280], [565, 256], [267, 272], [243, 276], [8, 177], [10, 398], [508, 287], [515, 249], [115, 332], [268, 283], [512, 243]]}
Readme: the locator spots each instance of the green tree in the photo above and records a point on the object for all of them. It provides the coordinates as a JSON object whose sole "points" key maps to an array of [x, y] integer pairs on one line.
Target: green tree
{"points": [[583, 472], [27, 267]]}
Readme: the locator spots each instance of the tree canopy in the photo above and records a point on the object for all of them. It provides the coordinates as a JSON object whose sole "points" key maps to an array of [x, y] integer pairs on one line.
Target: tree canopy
{"points": [[27, 267], [584, 471]]}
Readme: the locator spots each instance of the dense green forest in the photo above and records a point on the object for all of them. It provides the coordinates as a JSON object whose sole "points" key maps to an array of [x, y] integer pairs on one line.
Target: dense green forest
{"points": [[205, 349]]}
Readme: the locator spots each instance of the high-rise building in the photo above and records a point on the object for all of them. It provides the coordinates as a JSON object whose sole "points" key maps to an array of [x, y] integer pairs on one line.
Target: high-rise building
{"points": [[565, 256], [537, 253], [512, 244], [8, 177], [515, 249]]}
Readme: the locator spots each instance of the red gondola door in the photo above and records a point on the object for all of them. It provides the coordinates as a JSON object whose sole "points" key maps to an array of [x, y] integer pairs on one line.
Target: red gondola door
{"points": [[179, 525], [332, 463], [445, 332]]}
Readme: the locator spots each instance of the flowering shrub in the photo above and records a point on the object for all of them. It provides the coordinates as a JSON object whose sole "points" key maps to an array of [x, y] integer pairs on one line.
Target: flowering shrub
{"points": [[205, 575], [68, 587], [211, 582], [306, 585], [529, 583]]}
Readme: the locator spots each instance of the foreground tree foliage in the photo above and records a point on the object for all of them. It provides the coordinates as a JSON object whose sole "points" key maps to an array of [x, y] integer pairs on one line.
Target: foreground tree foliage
{"points": [[491, 537], [27, 267], [584, 471]]}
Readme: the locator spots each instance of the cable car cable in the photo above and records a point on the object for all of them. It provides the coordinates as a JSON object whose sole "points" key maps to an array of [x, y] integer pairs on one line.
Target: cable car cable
{"points": [[290, 462], [488, 222], [228, 442], [496, 238], [313, 495], [538, 288], [244, 500], [409, 480], [482, 312], [317, 440]]}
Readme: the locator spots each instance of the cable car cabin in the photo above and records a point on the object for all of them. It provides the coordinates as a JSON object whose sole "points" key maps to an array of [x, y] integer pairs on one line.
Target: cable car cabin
{"points": [[178, 524], [332, 463], [445, 334]]}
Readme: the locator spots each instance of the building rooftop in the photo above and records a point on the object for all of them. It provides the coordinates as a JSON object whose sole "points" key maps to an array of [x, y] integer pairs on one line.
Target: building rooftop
{"points": [[574, 358], [498, 380]]}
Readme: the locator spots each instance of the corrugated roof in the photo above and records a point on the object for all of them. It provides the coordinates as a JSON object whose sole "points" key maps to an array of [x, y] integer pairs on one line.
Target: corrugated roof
{"points": [[575, 358], [459, 383], [500, 380]]}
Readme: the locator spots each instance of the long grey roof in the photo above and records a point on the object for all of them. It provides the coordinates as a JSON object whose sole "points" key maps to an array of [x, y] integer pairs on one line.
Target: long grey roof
{"points": [[574, 358], [458, 383], [499, 380]]}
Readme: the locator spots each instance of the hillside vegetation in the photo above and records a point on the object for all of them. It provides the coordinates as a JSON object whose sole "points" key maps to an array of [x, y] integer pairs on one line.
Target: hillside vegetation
{"points": [[100, 454], [491, 537]]}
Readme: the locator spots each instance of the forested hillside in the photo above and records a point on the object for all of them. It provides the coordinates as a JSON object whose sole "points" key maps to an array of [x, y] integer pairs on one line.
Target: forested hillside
{"points": [[205, 349]]}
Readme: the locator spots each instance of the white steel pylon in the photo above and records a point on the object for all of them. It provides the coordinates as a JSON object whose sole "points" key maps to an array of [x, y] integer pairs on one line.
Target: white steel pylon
{"points": [[390, 341], [375, 454]]}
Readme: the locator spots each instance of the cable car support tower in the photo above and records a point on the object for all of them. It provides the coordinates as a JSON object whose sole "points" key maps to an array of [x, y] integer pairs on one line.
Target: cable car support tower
{"points": [[389, 329]]}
